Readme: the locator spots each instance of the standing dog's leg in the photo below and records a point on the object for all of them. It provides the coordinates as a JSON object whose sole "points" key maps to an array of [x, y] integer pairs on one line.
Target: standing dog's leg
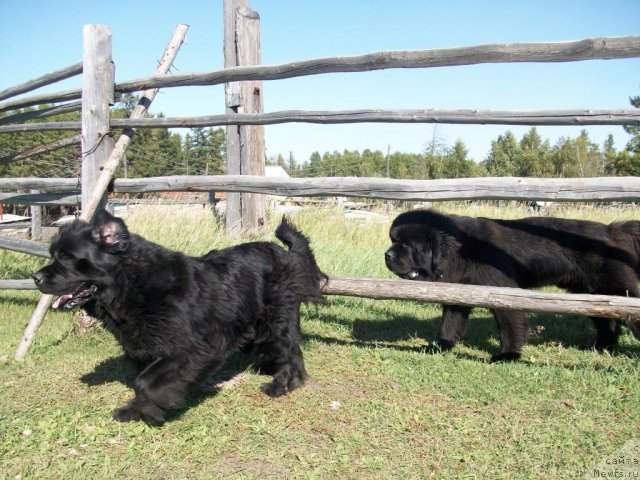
{"points": [[608, 329], [607, 333], [455, 320], [514, 328]]}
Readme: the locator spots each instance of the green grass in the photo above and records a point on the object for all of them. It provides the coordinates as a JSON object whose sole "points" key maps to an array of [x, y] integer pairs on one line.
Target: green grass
{"points": [[403, 411]]}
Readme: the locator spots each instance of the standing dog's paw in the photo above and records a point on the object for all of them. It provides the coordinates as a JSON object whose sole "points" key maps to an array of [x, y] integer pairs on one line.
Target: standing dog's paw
{"points": [[505, 357]]}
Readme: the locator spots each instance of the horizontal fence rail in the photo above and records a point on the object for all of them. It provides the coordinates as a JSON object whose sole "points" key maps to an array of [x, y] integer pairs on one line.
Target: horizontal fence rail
{"points": [[485, 296], [500, 117], [30, 247], [61, 199], [468, 116], [42, 113], [41, 99], [622, 189], [47, 79], [17, 285], [44, 184], [49, 147], [469, 295], [484, 117], [586, 49]]}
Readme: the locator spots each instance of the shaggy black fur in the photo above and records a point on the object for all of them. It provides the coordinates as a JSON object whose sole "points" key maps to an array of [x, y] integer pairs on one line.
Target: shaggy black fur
{"points": [[180, 317], [579, 256]]}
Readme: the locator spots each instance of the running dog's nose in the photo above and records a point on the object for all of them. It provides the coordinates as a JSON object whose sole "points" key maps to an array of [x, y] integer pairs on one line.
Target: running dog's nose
{"points": [[38, 277], [389, 255]]}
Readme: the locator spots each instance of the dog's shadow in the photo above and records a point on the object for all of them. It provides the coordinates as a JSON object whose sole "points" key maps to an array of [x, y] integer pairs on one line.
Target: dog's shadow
{"points": [[123, 370], [114, 369], [569, 331]]}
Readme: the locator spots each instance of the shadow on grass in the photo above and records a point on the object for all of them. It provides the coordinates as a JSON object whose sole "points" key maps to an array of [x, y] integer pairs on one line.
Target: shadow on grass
{"points": [[123, 370], [115, 369], [482, 334]]}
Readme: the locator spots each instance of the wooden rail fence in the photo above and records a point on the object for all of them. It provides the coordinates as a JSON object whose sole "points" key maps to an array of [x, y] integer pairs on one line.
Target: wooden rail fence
{"points": [[67, 191]]}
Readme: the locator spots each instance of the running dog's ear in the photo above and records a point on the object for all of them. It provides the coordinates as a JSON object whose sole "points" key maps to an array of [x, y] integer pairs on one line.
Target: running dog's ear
{"points": [[110, 232]]}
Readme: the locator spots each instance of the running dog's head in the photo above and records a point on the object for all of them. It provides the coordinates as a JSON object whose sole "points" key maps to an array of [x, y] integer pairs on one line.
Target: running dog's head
{"points": [[85, 260]]}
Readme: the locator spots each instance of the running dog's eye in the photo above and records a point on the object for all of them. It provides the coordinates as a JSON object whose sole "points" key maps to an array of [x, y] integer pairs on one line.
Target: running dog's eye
{"points": [[64, 256], [83, 265]]}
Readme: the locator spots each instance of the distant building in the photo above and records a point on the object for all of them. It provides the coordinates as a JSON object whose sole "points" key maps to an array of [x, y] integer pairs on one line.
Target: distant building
{"points": [[275, 171]]}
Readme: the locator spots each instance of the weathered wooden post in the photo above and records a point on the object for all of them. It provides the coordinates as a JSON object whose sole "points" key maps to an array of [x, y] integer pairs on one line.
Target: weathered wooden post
{"points": [[245, 144], [36, 220], [232, 102], [251, 136], [97, 96], [98, 197]]}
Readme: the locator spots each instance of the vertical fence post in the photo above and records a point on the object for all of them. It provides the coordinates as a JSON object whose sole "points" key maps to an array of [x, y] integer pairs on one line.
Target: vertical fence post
{"points": [[245, 144], [36, 220], [97, 95], [102, 181], [251, 136], [232, 102]]}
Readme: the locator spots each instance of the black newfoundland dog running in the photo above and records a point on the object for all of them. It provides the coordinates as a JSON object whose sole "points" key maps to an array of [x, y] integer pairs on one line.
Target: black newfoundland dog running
{"points": [[576, 255], [180, 317]]}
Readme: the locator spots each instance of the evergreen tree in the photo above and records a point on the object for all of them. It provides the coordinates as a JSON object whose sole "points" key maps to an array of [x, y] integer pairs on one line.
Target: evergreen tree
{"points": [[457, 165], [633, 146], [578, 157], [292, 165], [203, 152], [64, 162], [534, 160], [623, 163], [504, 158]]}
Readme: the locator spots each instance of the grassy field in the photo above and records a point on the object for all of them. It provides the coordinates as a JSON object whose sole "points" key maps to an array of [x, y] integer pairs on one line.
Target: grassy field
{"points": [[379, 404]]}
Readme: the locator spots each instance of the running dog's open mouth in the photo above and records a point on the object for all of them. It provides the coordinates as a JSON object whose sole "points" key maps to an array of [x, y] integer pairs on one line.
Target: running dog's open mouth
{"points": [[79, 297]]}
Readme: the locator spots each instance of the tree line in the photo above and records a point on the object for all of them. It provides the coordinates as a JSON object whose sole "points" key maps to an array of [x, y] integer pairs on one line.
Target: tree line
{"points": [[201, 151], [153, 152], [529, 156]]}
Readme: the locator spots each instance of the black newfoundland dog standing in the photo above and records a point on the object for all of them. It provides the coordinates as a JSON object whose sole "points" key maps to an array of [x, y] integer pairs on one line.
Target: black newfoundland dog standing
{"points": [[576, 255], [180, 317]]}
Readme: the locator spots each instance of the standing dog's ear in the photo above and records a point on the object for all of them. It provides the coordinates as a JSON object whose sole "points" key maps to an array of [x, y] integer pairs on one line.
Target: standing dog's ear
{"points": [[110, 232], [444, 248], [437, 255]]}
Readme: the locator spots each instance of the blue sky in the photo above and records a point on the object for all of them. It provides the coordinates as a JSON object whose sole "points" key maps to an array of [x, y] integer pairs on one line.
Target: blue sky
{"points": [[39, 36]]}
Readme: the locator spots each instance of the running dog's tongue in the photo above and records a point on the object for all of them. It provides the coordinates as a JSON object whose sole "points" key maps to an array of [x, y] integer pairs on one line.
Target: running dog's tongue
{"points": [[60, 301], [78, 298]]}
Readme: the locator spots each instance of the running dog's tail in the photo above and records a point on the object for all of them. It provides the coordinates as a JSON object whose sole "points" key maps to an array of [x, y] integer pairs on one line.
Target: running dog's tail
{"points": [[298, 245]]}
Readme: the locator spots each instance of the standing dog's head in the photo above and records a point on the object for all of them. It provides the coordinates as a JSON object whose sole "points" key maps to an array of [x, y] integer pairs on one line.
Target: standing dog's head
{"points": [[419, 247], [85, 260]]}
